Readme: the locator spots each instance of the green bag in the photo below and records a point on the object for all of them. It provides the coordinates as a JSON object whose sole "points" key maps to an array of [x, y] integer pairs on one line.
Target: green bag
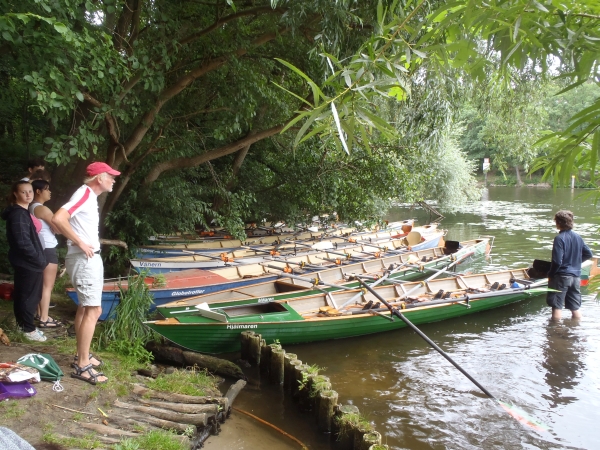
{"points": [[46, 366]]}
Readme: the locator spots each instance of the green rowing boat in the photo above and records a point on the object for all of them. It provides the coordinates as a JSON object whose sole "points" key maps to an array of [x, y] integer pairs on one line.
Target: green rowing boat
{"points": [[216, 328], [408, 266]]}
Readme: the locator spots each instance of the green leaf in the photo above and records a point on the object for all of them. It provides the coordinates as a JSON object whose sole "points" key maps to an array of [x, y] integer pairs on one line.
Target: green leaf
{"points": [[317, 94], [303, 100], [539, 6], [304, 127], [339, 127], [295, 120], [516, 30], [60, 27], [79, 96]]}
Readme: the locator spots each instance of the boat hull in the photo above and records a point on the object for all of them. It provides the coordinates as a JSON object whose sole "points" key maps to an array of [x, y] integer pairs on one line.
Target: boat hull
{"points": [[225, 337]]}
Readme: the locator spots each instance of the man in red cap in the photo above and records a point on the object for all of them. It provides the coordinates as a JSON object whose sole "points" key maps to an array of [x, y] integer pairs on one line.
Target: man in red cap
{"points": [[78, 220]]}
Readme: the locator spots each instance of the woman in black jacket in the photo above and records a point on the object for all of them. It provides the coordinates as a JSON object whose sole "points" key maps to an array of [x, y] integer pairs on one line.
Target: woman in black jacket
{"points": [[26, 255]]}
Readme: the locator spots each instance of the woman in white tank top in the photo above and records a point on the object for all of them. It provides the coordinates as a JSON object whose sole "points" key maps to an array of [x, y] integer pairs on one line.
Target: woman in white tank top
{"points": [[41, 194]]}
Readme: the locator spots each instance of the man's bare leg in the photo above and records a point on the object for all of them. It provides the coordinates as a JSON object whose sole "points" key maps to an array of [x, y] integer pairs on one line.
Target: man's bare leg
{"points": [[85, 334], [576, 314], [78, 318], [556, 314]]}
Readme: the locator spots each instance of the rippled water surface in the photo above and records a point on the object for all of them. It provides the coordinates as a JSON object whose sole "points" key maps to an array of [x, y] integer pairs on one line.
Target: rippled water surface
{"points": [[417, 400]]}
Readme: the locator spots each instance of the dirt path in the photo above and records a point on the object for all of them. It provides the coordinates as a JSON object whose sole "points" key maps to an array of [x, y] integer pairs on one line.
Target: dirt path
{"points": [[42, 413]]}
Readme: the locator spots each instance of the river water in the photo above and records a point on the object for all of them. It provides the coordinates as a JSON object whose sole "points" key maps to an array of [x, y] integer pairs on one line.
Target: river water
{"points": [[417, 400]]}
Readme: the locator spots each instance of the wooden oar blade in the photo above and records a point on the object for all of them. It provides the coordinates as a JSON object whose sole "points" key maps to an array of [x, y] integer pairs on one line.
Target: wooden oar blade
{"points": [[522, 417]]}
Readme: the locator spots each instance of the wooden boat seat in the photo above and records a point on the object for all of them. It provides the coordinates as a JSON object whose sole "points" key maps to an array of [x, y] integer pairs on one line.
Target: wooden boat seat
{"points": [[254, 308]]}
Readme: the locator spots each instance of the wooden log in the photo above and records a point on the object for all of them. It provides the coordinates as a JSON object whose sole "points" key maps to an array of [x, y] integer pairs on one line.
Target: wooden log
{"points": [[245, 344], [202, 435], [187, 419], [298, 379], [210, 409], [233, 391], [305, 389], [276, 373], [254, 349], [319, 383], [265, 357], [176, 356], [359, 432], [370, 439], [159, 423], [107, 430], [130, 423], [214, 365], [287, 359], [327, 401], [290, 375], [343, 434], [143, 391], [165, 353]]}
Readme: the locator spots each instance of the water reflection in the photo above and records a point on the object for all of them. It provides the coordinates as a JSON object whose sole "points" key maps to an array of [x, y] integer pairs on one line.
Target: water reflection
{"points": [[562, 361]]}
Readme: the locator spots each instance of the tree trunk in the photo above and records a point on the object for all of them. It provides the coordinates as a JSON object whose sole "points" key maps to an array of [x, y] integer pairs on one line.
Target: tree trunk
{"points": [[519, 181]]}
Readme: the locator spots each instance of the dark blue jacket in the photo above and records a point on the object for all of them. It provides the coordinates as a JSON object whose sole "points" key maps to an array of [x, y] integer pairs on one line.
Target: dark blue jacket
{"points": [[25, 249], [568, 252]]}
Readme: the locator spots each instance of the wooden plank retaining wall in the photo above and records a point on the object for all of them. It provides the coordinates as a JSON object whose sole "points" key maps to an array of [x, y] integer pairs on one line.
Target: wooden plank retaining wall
{"points": [[313, 392]]}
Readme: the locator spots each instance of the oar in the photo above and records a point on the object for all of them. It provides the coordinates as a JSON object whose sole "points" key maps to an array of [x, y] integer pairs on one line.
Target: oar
{"points": [[316, 281], [380, 280], [421, 283], [208, 256], [301, 264], [345, 255], [459, 300], [514, 412], [365, 243], [258, 250]]}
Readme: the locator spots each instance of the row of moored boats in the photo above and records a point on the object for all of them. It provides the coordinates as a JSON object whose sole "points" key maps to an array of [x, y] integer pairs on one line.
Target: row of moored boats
{"points": [[307, 286]]}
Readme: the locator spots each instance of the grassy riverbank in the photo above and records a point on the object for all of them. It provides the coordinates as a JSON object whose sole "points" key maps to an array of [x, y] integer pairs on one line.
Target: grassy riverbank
{"points": [[59, 417]]}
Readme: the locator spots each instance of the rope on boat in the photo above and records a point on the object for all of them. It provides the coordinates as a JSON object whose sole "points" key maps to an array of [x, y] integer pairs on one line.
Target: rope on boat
{"points": [[304, 447]]}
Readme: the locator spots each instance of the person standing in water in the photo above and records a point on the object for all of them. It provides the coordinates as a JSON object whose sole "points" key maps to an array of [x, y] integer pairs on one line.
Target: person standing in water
{"points": [[568, 252]]}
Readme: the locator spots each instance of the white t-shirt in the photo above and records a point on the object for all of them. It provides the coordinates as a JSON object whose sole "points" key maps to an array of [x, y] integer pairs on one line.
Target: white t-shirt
{"points": [[85, 218], [46, 234]]}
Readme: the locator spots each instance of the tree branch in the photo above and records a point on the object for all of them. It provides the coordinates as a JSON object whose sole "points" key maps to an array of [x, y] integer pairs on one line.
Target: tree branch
{"points": [[182, 83], [180, 163], [192, 37], [123, 180]]}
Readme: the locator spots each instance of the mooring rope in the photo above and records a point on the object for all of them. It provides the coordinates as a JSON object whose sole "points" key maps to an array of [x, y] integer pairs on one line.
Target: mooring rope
{"points": [[304, 447]]}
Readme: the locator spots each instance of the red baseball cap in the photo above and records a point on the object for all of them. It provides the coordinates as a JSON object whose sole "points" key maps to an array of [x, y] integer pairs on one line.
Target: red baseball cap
{"points": [[97, 168]]}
